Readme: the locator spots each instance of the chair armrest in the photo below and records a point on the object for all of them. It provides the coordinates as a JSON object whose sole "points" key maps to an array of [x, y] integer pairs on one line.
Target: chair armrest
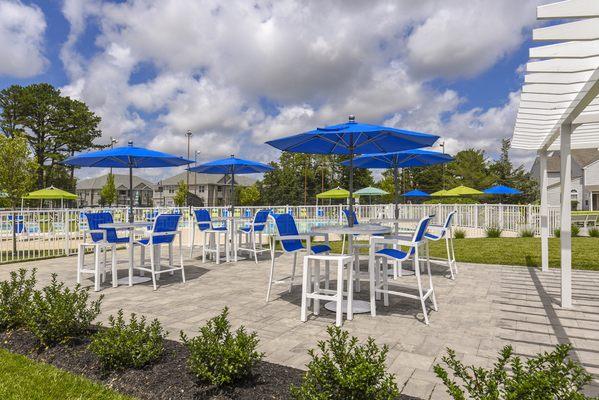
{"points": [[292, 237], [90, 231], [396, 241], [154, 234]]}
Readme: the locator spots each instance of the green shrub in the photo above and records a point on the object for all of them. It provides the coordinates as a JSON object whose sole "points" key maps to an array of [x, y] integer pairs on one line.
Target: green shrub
{"points": [[347, 370], [575, 231], [15, 297], [527, 232], [459, 233], [132, 345], [219, 356], [594, 232], [549, 375], [493, 232], [58, 314], [557, 232]]}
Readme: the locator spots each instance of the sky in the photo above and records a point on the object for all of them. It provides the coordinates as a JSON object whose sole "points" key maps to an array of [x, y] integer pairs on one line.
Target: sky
{"points": [[238, 72]]}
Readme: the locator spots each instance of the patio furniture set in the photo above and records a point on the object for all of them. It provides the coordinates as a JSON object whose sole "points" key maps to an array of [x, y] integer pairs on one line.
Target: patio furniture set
{"points": [[388, 247]]}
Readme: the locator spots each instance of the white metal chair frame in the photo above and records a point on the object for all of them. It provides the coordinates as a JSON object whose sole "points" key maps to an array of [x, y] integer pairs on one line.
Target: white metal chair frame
{"points": [[379, 271], [211, 240], [311, 289], [254, 246], [446, 232], [155, 268], [100, 266], [307, 249]]}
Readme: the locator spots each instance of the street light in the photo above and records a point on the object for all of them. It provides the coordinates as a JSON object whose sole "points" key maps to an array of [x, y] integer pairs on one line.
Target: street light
{"points": [[188, 134]]}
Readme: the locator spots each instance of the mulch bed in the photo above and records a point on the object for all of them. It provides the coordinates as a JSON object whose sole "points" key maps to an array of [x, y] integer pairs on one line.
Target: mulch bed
{"points": [[169, 378]]}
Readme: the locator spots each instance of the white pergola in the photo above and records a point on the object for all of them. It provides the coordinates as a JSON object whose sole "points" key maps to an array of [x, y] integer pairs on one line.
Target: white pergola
{"points": [[559, 109]]}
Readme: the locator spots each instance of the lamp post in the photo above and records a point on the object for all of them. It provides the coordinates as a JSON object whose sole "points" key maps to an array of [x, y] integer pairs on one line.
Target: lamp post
{"points": [[195, 174], [188, 134]]}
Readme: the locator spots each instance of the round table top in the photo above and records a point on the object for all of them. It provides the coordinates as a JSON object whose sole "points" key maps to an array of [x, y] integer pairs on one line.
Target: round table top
{"points": [[395, 220], [359, 229], [126, 225]]}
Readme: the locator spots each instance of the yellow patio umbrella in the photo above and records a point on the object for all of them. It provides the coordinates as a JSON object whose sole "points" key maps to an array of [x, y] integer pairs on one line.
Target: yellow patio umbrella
{"points": [[463, 191], [441, 193], [50, 193], [337, 193]]}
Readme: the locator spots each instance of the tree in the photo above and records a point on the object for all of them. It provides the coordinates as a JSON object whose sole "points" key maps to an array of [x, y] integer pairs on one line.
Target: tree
{"points": [[55, 127], [181, 194], [469, 168], [249, 195], [505, 174], [17, 172], [108, 192]]}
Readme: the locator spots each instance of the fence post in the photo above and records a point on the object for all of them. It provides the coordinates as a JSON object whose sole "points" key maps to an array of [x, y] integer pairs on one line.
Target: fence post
{"points": [[67, 228]]}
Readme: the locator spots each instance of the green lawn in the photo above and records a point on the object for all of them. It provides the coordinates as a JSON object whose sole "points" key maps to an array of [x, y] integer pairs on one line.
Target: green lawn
{"points": [[517, 251], [22, 378]]}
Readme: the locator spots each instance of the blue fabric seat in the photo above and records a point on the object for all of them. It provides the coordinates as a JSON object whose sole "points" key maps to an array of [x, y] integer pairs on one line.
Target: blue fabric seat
{"points": [[252, 233], [445, 232], [393, 253], [211, 233], [431, 236], [94, 220]]}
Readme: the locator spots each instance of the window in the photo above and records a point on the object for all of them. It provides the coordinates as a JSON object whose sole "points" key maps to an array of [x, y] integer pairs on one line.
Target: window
{"points": [[201, 188], [574, 195]]}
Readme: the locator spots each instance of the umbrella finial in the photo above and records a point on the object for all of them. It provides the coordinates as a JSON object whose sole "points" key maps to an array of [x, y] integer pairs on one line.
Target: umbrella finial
{"points": [[232, 155], [352, 118], [130, 143]]}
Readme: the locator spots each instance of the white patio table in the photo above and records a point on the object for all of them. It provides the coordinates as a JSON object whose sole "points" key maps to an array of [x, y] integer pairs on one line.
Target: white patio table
{"points": [[358, 306], [232, 223], [130, 227]]}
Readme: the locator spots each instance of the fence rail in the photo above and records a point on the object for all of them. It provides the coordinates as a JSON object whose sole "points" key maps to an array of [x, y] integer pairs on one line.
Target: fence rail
{"points": [[47, 233]]}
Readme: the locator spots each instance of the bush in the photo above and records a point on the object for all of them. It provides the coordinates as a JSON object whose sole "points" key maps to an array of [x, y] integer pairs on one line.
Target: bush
{"points": [[346, 370], [594, 232], [546, 376], [58, 314], [220, 357], [459, 233], [527, 233], [132, 345], [493, 232], [575, 231], [15, 297]]}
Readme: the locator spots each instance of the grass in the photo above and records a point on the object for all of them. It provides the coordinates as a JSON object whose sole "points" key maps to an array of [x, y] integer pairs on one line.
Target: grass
{"points": [[516, 251], [22, 378]]}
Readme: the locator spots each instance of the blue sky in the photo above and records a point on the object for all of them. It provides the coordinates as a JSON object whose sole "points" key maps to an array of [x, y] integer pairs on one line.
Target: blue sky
{"points": [[238, 73]]}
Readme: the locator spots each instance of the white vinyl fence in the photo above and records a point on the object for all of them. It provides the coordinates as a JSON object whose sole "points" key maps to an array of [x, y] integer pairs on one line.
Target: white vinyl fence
{"points": [[49, 233]]}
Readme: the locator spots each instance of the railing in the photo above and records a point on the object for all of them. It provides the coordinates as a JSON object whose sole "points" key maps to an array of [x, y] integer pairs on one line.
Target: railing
{"points": [[49, 233]]}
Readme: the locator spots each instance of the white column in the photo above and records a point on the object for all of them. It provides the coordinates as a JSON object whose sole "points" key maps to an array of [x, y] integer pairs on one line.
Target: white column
{"points": [[544, 212], [565, 214]]}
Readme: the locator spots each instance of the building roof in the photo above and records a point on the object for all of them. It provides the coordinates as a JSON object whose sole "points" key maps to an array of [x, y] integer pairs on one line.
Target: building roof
{"points": [[120, 180], [205, 179], [581, 158]]}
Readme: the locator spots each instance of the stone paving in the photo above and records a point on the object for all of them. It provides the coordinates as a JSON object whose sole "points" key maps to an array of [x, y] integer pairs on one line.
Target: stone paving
{"points": [[485, 308]]}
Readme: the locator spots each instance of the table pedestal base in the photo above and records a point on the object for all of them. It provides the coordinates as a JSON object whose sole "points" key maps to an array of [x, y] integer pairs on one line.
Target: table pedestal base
{"points": [[135, 280], [358, 306]]}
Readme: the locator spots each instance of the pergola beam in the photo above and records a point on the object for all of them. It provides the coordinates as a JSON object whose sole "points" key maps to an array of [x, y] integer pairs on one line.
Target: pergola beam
{"points": [[574, 49], [569, 9], [586, 29]]}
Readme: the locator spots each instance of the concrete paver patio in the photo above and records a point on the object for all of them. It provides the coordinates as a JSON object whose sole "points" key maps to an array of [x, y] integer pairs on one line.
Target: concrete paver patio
{"points": [[484, 309]]}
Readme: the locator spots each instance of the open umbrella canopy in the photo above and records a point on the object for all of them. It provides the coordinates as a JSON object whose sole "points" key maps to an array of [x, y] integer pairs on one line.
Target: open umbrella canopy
{"points": [[502, 190], [231, 165], [370, 191], [127, 157], [50, 193], [442, 193], [400, 159], [416, 193], [337, 193], [462, 191]]}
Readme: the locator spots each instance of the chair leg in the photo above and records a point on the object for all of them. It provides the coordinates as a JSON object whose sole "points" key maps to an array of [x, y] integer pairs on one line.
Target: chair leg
{"points": [[253, 237], [304, 309], [419, 282], [272, 269], [171, 264], [455, 264], [430, 277], [193, 235], [371, 267], [103, 269], [449, 263], [97, 254], [327, 274], [293, 271], [350, 292], [316, 288], [181, 260], [115, 282], [142, 259], [343, 244], [80, 262], [377, 277], [385, 283], [153, 266], [339, 311], [217, 244]]}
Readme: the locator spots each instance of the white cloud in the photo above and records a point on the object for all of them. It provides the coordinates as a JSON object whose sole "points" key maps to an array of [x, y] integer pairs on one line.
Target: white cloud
{"points": [[238, 73], [22, 30]]}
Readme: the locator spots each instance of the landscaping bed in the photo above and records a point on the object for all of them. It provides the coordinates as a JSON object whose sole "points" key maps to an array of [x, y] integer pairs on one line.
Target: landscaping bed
{"points": [[168, 378]]}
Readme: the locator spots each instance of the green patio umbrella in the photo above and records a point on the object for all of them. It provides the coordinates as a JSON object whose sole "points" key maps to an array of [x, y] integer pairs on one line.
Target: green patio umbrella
{"points": [[50, 193], [370, 191], [337, 193], [463, 191]]}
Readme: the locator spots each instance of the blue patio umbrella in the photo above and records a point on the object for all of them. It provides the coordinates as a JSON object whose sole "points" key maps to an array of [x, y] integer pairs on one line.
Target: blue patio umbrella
{"points": [[127, 157], [400, 159], [353, 138], [416, 193], [231, 166], [502, 190]]}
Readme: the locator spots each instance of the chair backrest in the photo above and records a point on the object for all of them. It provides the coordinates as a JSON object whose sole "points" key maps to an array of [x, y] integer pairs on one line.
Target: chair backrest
{"points": [[449, 219], [286, 227], [346, 213], [203, 219], [94, 220], [260, 220], [420, 231], [165, 223]]}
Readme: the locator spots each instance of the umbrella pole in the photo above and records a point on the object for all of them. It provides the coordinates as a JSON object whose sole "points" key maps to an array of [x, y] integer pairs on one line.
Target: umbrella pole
{"points": [[350, 218], [232, 194], [130, 193], [396, 188]]}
